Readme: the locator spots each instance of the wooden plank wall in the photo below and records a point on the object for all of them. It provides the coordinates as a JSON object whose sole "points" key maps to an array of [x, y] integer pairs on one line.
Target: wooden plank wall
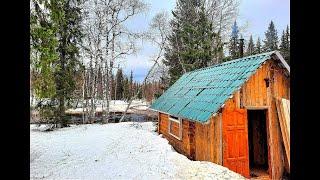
{"points": [[203, 138], [255, 93], [281, 84], [183, 145], [217, 142], [208, 142], [202, 142]]}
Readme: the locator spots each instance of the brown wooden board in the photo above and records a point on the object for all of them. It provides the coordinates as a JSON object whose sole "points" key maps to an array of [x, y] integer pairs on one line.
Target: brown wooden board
{"points": [[284, 120], [275, 143], [183, 145]]}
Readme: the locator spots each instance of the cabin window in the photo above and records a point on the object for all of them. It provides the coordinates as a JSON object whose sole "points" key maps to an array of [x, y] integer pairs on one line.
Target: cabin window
{"points": [[175, 127]]}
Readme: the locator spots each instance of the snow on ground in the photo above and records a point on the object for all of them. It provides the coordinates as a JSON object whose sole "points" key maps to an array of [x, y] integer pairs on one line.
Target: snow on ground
{"points": [[115, 106], [113, 151]]}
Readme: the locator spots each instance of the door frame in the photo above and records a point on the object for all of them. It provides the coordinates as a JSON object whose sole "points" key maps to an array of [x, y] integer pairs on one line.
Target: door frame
{"points": [[267, 110]]}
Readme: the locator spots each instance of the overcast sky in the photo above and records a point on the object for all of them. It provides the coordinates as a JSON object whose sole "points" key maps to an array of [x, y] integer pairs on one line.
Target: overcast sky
{"points": [[257, 14]]}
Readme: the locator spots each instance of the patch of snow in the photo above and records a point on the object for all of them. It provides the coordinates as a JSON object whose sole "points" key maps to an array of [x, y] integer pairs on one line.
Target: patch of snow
{"points": [[40, 127], [115, 106], [113, 151]]}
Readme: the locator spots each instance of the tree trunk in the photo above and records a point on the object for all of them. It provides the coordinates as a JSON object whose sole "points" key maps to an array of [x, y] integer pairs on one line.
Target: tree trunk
{"points": [[61, 88], [139, 90], [83, 85]]}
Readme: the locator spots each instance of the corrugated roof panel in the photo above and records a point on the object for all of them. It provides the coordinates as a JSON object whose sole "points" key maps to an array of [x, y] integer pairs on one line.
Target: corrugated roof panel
{"points": [[204, 116], [168, 104], [179, 106], [198, 94]]}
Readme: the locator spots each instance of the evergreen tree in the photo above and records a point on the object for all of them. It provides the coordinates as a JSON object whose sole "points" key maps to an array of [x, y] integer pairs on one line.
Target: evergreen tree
{"points": [[190, 42], [285, 45], [139, 93], [131, 85], [234, 41], [43, 50], [134, 87], [126, 88], [258, 47], [271, 39], [197, 37], [283, 42], [113, 85], [250, 49], [172, 59], [218, 52], [119, 84], [55, 33], [288, 41], [67, 17]]}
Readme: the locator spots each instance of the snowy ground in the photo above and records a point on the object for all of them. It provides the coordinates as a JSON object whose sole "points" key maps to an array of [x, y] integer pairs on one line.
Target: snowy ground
{"points": [[113, 151], [115, 106]]}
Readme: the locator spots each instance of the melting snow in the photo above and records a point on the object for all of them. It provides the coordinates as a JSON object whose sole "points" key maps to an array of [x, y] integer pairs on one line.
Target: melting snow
{"points": [[115, 106], [113, 151]]}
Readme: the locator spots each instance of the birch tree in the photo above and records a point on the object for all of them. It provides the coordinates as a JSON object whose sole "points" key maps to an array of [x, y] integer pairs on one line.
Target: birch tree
{"points": [[157, 34], [109, 39], [222, 13]]}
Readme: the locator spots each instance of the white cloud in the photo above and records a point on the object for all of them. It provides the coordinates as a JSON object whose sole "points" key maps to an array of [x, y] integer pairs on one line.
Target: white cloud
{"points": [[133, 62]]}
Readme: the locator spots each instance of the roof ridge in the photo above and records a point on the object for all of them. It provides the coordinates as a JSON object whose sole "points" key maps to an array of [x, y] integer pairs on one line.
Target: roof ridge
{"points": [[232, 61]]}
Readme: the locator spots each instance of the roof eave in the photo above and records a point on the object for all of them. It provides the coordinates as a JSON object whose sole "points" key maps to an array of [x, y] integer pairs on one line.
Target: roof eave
{"points": [[279, 57], [194, 120]]}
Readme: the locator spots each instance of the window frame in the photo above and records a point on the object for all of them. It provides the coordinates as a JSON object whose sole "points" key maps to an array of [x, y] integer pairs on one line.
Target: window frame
{"points": [[179, 121]]}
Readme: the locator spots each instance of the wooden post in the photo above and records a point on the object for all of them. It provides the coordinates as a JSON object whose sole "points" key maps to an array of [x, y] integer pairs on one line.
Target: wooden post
{"points": [[159, 120], [270, 142], [237, 99], [221, 142]]}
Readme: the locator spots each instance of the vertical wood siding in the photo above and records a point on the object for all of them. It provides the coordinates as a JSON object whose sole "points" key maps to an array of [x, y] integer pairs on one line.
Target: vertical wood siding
{"points": [[255, 93], [183, 145], [208, 143], [204, 141]]}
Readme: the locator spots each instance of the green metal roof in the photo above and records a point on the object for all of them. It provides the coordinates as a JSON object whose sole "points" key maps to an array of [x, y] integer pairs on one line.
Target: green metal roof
{"points": [[198, 94]]}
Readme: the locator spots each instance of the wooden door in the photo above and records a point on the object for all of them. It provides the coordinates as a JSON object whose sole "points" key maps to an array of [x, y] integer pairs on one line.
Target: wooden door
{"points": [[235, 141]]}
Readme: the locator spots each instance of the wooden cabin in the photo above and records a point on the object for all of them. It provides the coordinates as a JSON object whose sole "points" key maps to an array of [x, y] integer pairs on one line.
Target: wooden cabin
{"points": [[227, 114]]}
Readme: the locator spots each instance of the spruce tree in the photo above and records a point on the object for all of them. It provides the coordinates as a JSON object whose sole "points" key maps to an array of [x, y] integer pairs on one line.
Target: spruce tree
{"points": [[288, 41], [113, 85], [126, 88], [67, 16], [234, 41], [172, 59], [197, 37], [43, 50], [283, 42], [271, 38], [55, 34], [285, 45], [139, 93], [250, 49], [130, 85], [258, 47], [190, 42], [119, 84], [218, 54]]}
